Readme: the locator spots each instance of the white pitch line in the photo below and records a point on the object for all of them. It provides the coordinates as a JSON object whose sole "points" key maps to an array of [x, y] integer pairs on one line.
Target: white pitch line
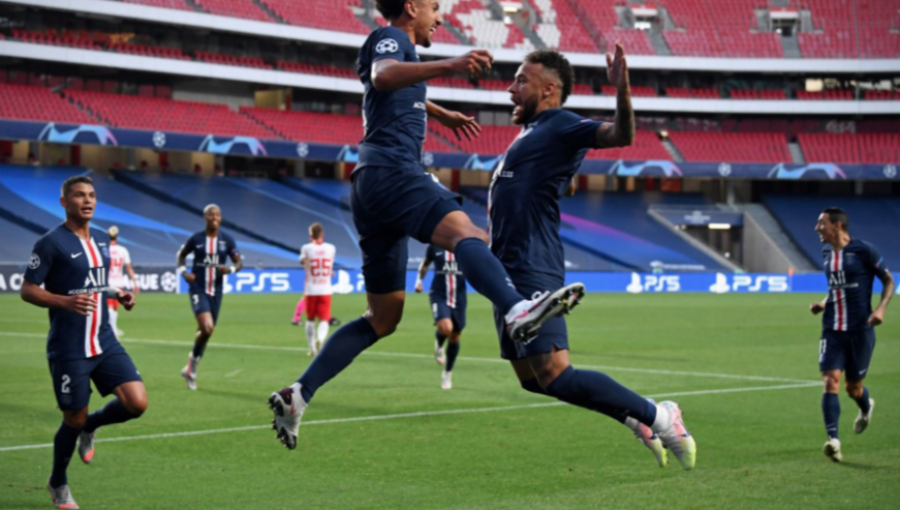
{"points": [[177, 343], [420, 414], [234, 372]]}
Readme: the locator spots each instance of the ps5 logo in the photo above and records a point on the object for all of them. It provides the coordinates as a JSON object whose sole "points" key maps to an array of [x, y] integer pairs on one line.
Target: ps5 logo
{"points": [[654, 283], [750, 283]]}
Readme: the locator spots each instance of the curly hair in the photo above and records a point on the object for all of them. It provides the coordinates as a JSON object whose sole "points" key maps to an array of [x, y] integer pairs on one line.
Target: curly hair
{"points": [[557, 62]]}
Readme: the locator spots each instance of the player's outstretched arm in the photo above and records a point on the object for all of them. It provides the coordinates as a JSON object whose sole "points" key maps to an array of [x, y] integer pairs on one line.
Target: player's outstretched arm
{"points": [[887, 280], [621, 132], [389, 74], [423, 270], [462, 125], [82, 304]]}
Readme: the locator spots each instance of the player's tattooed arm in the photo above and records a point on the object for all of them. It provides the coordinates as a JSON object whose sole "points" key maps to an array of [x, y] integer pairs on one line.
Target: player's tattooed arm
{"points": [[82, 304], [390, 74], [621, 132], [461, 124], [887, 281]]}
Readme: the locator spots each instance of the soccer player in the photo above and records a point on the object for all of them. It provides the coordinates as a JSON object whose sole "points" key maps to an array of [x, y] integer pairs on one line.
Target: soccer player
{"points": [[119, 259], [524, 221], [393, 198], [72, 265], [211, 249], [848, 337], [317, 259], [448, 304]]}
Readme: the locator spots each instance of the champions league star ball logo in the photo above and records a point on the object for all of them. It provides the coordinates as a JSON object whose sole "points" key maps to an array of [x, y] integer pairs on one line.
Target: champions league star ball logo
{"points": [[302, 150], [169, 282], [890, 171], [386, 46], [724, 169], [159, 139], [35, 262]]}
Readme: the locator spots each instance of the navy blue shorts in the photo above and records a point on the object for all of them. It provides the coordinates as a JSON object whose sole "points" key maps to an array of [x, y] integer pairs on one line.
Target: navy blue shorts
{"points": [[72, 378], [441, 310], [850, 351], [202, 302], [391, 204], [553, 334]]}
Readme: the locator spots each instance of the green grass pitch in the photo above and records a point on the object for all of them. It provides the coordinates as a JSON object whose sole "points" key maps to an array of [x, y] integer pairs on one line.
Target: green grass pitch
{"points": [[384, 435]]}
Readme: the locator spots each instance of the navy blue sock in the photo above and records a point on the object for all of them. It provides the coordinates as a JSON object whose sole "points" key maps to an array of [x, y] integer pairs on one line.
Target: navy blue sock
{"points": [[452, 353], [112, 412], [63, 448], [486, 273], [533, 386], [440, 338], [339, 351], [199, 348], [831, 411], [599, 392], [863, 401]]}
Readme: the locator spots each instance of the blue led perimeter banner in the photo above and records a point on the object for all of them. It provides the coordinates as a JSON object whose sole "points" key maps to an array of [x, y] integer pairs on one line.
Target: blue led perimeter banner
{"points": [[279, 281], [92, 134]]}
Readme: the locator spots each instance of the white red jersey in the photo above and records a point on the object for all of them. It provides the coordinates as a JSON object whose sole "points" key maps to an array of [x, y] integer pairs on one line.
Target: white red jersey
{"points": [[321, 261], [118, 258]]}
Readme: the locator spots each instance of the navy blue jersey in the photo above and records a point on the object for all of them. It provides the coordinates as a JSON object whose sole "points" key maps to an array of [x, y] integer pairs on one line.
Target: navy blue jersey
{"points": [[209, 253], [851, 273], [67, 265], [394, 121], [523, 204], [449, 284]]}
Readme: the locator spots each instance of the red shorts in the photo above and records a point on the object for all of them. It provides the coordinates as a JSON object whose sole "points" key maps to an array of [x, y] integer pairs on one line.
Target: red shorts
{"points": [[318, 307], [113, 303]]}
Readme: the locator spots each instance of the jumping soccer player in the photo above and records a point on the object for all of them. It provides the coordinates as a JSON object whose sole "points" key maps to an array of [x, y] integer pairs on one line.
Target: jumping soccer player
{"points": [[72, 265], [848, 336], [317, 258], [393, 198], [119, 259], [523, 211], [211, 249], [448, 304]]}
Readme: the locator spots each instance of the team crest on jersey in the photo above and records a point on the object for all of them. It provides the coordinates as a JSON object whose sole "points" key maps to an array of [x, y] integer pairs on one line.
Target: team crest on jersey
{"points": [[35, 261], [222, 245], [386, 46]]}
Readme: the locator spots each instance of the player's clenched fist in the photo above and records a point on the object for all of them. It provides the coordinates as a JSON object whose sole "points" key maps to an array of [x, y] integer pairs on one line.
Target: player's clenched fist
{"points": [[82, 304], [817, 308], [473, 63]]}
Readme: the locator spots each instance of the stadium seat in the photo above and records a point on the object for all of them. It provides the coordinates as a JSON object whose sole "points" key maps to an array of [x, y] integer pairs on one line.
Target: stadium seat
{"points": [[235, 8], [168, 115], [231, 60], [686, 93], [862, 148], [716, 147], [825, 95], [324, 14], [25, 102], [165, 4]]}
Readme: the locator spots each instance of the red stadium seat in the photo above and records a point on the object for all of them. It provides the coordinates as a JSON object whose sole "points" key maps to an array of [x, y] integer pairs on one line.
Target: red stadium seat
{"points": [[731, 147], [863, 148], [235, 8], [24, 102]]}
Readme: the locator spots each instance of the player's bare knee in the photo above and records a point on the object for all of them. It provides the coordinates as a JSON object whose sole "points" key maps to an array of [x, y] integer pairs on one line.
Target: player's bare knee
{"points": [[854, 389], [445, 330], [384, 325], [832, 382], [75, 419], [207, 330]]}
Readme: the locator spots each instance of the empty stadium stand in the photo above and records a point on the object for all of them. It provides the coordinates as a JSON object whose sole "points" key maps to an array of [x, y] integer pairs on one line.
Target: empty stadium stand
{"points": [[872, 219], [860, 148], [235, 8], [25, 102], [17, 242], [152, 230], [692, 93], [732, 147], [231, 60], [166, 4], [718, 28], [825, 95], [325, 14], [168, 115], [145, 50]]}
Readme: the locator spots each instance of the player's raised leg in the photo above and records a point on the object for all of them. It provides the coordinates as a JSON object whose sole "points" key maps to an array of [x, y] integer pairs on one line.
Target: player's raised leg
{"points": [[523, 318]]}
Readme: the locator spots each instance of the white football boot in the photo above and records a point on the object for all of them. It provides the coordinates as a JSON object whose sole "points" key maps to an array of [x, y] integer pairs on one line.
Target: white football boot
{"points": [[62, 497], [446, 380], [288, 406], [675, 436], [86, 446], [525, 318], [832, 449], [862, 420], [189, 372], [651, 440]]}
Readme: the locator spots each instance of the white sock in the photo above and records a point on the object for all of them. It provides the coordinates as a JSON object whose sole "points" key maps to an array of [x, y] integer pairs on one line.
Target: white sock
{"points": [[662, 421], [323, 331], [311, 334]]}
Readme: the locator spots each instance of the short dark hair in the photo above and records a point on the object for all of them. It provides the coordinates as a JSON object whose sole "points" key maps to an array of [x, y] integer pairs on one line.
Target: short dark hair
{"points": [[836, 214], [390, 9], [558, 62], [71, 181], [315, 230]]}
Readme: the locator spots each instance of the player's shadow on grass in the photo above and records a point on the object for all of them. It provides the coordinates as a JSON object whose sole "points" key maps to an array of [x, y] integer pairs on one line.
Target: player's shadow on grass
{"points": [[860, 466]]}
